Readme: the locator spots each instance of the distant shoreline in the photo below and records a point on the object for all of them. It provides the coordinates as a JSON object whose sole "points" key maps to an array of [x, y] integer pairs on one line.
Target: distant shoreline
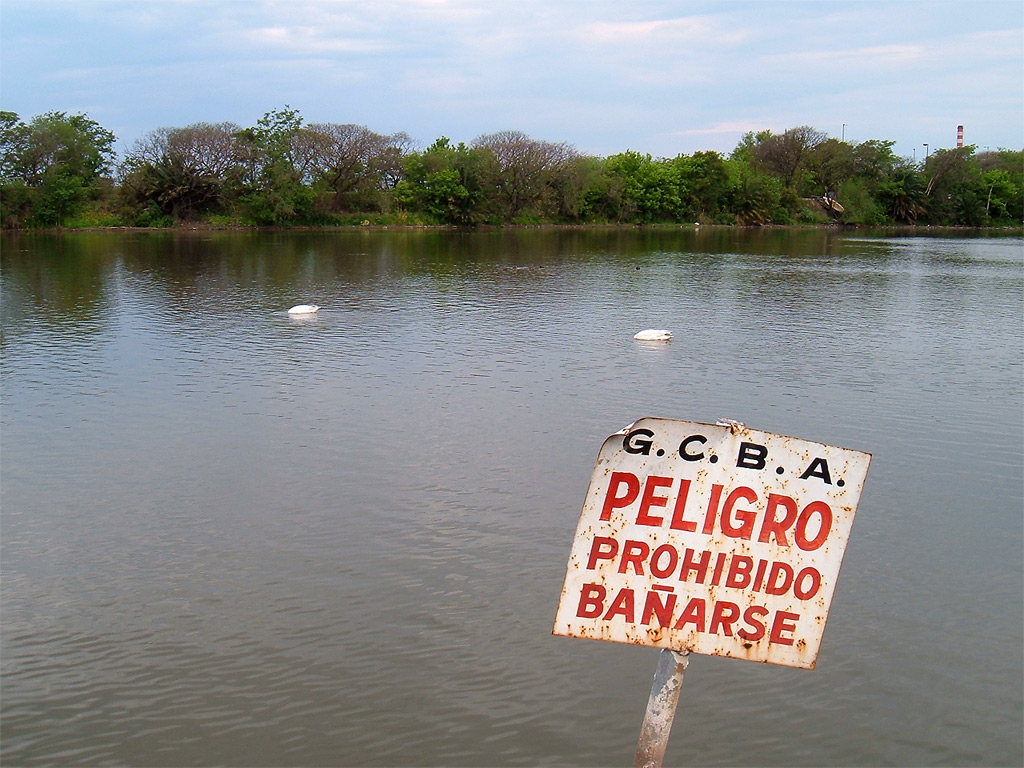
{"points": [[199, 228]]}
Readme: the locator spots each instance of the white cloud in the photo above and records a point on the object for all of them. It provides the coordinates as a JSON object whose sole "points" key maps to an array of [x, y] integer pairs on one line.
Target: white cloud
{"points": [[596, 73], [308, 40], [739, 127], [836, 60], [633, 32]]}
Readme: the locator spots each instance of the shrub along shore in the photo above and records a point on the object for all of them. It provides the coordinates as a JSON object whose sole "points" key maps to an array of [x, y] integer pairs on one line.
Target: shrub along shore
{"points": [[61, 171]]}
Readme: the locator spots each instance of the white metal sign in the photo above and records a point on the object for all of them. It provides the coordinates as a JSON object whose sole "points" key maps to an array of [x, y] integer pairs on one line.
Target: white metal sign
{"points": [[711, 538]]}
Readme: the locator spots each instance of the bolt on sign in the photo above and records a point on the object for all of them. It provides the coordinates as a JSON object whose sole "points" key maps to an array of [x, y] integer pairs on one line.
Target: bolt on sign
{"points": [[711, 538]]}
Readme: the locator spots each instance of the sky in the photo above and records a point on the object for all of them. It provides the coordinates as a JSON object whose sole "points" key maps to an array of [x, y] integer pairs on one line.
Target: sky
{"points": [[657, 77]]}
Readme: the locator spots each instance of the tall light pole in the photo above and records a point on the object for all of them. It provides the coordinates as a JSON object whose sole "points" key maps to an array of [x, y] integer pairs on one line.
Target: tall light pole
{"points": [[926, 151]]}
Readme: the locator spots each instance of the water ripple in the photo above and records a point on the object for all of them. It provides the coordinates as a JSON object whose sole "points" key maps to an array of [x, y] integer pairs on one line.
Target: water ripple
{"points": [[231, 537]]}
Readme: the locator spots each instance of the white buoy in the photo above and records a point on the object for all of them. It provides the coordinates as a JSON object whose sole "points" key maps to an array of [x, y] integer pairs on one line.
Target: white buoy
{"points": [[652, 334], [303, 309]]}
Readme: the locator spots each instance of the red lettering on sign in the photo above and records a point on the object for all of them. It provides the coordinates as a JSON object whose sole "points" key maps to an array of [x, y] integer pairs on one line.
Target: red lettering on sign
{"points": [[650, 500], [598, 551], [753, 616], [784, 622], [709, 517], [692, 614], [673, 557], [613, 500], [744, 516], [591, 601], [716, 577], [759, 575], [730, 570], [700, 567], [622, 606], [739, 572], [724, 615], [677, 513], [800, 533], [774, 586], [736, 516], [810, 574], [771, 526], [634, 552], [659, 606]]}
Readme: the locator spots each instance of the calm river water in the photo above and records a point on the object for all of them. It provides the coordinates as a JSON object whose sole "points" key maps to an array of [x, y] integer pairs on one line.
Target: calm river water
{"points": [[234, 537]]}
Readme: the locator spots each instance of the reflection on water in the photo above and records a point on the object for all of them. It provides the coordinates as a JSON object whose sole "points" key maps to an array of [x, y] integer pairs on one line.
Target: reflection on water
{"points": [[232, 536]]}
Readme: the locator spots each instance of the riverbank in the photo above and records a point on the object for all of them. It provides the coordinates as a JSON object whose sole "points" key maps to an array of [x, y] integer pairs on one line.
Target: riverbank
{"points": [[185, 228]]}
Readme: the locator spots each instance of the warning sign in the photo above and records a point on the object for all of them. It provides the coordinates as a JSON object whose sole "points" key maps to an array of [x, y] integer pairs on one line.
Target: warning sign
{"points": [[712, 538]]}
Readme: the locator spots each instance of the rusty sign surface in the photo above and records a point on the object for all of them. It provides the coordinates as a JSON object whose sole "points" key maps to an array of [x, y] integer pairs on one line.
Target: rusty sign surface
{"points": [[711, 538]]}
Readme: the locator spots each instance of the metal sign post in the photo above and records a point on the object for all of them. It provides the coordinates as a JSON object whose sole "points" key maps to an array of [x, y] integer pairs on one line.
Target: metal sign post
{"points": [[709, 538], [661, 709]]}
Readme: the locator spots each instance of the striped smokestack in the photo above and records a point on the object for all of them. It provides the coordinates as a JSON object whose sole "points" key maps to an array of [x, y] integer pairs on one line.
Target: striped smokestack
{"points": [[959, 136]]}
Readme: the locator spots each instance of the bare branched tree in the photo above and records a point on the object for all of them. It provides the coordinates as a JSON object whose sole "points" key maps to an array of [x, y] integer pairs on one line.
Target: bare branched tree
{"points": [[352, 158], [520, 169], [182, 170], [784, 154]]}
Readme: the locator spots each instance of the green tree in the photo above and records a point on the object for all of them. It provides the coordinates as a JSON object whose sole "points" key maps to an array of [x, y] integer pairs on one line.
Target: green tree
{"points": [[703, 184], [953, 189], [15, 196], [1003, 177], [14, 136], [1003, 197], [576, 188], [744, 151], [73, 145], [755, 197], [874, 161], [273, 191], [650, 189], [602, 191], [444, 182], [828, 165], [53, 165], [949, 166], [860, 206], [902, 196]]}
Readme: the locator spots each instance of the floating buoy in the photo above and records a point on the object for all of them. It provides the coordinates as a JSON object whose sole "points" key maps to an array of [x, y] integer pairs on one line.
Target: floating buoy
{"points": [[652, 334], [303, 309]]}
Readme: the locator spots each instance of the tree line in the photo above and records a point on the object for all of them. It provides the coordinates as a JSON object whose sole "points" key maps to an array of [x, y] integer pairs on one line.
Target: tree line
{"points": [[61, 170]]}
